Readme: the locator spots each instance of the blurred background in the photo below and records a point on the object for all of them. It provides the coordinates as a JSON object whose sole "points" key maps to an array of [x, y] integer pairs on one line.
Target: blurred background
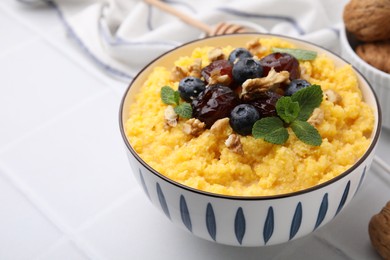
{"points": [[66, 188]]}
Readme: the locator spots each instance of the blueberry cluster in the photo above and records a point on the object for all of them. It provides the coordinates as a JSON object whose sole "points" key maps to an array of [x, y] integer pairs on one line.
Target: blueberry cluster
{"points": [[211, 101]]}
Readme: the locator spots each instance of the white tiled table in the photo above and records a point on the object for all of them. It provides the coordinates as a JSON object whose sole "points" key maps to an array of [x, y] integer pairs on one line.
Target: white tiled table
{"points": [[66, 189]]}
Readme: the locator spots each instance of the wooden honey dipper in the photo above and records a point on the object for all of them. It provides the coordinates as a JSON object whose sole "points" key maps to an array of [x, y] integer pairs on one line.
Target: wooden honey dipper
{"points": [[219, 29]]}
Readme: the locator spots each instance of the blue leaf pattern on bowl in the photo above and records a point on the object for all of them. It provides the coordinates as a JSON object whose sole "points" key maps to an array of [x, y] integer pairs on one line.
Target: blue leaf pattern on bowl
{"points": [[296, 221], [322, 211], [239, 225], [185, 214], [143, 183], [210, 222], [268, 225], [162, 200], [344, 197], [361, 179]]}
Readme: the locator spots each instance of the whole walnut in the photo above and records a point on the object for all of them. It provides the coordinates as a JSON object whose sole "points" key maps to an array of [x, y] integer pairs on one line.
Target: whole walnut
{"points": [[379, 231], [368, 20], [376, 54]]}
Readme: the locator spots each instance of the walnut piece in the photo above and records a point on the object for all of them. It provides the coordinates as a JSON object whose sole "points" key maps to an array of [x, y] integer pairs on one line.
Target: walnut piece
{"points": [[196, 68], [332, 96], [178, 73], [216, 54], [304, 74], [271, 82], [254, 47], [194, 127], [379, 232], [170, 117], [217, 78], [219, 126], [316, 117], [233, 142], [368, 20]]}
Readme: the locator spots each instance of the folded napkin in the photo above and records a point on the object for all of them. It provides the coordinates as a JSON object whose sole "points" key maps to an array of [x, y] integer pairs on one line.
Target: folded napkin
{"points": [[122, 36]]}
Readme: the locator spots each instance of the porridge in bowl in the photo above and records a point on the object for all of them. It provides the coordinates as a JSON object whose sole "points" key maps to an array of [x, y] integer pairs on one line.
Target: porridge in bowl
{"points": [[235, 121]]}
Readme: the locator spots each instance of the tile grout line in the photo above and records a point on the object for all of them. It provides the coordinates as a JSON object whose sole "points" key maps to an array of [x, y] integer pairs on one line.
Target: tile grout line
{"points": [[329, 244], [381, 174], [105, 211], [56, 245], [19, 46], [69, 56], [89, 222], [52, 248], [53, 120], [40, 205]]}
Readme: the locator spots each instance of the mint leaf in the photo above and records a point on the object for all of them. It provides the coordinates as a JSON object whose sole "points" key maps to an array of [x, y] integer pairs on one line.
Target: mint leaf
{"points": [[287, 109], [306, 133], [308, 98], [297, 53], [184, 110], [177, 97], [169, 96], [271, 129]]}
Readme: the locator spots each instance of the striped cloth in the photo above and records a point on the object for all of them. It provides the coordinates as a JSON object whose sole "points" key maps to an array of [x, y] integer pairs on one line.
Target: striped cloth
{"points": [[121, 36]]}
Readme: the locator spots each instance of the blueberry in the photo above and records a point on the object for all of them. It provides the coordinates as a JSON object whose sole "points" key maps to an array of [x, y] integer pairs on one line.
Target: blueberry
{"points": [[239, 53], [243, 117], [247, 68], [190, 87], [295, 85]]}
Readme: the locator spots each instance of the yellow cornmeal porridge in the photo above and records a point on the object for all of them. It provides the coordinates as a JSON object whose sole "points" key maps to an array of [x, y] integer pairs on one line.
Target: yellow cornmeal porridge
{"points": [[205, 162]]}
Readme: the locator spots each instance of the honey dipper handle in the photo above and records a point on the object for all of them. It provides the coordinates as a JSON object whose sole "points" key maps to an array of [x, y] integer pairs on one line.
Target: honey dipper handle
{"points": [[185, 18]]}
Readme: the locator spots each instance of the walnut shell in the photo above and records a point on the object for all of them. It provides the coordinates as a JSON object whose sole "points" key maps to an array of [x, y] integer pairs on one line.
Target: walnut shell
{"points": [[376, 54], [368, 20], [379, 231]]}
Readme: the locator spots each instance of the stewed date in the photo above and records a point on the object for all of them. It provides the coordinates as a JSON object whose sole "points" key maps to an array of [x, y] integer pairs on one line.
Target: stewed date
{"points": [[218, 67], [265, 103], [215, 102], [281, 61]]}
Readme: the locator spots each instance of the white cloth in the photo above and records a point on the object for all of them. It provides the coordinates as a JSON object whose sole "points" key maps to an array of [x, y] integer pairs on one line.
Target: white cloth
{"points": [[122, 36]]}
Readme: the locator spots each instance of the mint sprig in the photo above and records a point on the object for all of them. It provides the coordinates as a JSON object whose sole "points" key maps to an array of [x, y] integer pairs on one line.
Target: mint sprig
{"points": [[184, 110], [292, 111], [306, 132], [271, 129], [287, 109], [308, 98], [299, 54], [170, 96]]}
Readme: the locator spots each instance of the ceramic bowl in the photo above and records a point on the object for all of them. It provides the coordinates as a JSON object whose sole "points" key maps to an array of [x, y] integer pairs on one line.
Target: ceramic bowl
{"points": [[247, 221], [379, 80]]}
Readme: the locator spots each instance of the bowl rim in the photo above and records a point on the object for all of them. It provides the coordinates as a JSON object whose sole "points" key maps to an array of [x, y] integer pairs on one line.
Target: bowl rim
{"points": [[366, 154]]}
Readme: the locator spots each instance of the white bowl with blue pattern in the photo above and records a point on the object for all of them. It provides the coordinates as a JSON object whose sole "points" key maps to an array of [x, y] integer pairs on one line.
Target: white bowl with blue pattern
{"points": [[248, 221]]}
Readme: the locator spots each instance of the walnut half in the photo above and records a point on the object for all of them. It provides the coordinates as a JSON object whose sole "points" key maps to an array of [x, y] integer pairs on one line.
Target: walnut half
{"points": [[170, 117], [234, 143], [216, 54], [271, 82], [316, 117], [194, 127], [255, 47], [379, 231], [332, 96]]}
